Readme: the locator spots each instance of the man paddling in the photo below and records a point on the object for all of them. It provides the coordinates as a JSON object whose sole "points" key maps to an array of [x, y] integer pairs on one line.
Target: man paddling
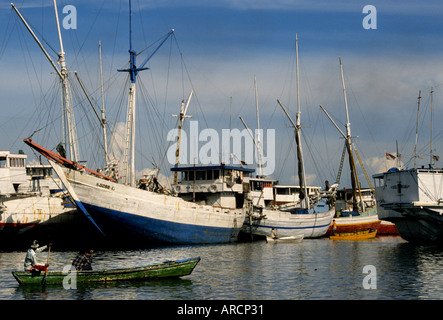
{"points": [[31, 263], [82, 262]]}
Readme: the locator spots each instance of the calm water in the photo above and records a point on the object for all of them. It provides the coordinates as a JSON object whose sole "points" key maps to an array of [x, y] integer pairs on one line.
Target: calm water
{"points": [[313, 269]]}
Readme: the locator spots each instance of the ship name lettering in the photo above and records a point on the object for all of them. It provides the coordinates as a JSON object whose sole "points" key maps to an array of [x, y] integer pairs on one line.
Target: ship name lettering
{"points": [[104, 186]]}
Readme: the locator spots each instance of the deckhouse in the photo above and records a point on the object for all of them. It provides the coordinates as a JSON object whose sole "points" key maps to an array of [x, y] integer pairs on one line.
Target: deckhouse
{"points": [[216, 185]]}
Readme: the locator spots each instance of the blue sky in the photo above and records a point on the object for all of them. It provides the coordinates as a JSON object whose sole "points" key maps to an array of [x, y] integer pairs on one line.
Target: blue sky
{"points": [[224, 45]]}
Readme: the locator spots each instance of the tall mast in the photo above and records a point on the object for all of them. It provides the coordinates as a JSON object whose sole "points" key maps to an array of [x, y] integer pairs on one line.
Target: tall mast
{"points": [[259, 148], [301, 167], [129, 151], [72, 131], [304, 197], [103, 119], [416, 130], [431, 156], [349, 145], [63, 74]]}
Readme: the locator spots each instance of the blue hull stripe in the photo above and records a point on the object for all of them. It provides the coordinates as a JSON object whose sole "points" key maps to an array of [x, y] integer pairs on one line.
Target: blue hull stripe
{"points": [[294, 228], [122, 223]]}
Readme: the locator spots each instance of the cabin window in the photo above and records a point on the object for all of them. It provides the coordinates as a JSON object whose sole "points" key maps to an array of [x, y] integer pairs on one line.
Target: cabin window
{"points": [[216, 174], [191, 175], [209, 175], [257, 185], [284, 191], [2, 162], [201, 175]]}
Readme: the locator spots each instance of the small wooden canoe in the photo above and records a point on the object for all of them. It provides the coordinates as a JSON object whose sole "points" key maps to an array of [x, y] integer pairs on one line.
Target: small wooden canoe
{"points": [[289, 239], [168, 269], [357, 235]]}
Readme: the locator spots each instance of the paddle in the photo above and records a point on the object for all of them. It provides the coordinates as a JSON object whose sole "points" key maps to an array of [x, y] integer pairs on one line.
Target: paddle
{"points": [[47, 265]]}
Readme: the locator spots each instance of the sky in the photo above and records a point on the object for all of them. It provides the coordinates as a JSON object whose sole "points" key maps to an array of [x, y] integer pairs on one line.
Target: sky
{"points": [[217, 49]]}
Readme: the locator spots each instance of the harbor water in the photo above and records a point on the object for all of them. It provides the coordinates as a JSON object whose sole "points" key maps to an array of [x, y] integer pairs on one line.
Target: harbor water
{"points": [[316, 269]]}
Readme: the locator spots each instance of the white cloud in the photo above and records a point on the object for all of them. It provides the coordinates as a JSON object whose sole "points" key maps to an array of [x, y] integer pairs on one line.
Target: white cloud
{"points": [[382, 164]]}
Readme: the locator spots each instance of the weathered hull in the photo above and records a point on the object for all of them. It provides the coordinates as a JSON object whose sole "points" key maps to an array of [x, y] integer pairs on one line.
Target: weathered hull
{"points": [[169, 269], [38, 216], [119, 210]]}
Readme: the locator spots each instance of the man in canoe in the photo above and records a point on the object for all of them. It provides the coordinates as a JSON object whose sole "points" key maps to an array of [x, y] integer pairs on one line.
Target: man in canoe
{"points": [[82, 262], [31, 263]]}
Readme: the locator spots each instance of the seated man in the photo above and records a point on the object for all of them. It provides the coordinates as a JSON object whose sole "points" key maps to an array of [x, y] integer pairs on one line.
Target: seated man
{"points": [[31, 263], [82, 262]]}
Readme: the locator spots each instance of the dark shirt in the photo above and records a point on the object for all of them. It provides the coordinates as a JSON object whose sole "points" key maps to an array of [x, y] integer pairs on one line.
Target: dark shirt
{"points": [[81, 262]]}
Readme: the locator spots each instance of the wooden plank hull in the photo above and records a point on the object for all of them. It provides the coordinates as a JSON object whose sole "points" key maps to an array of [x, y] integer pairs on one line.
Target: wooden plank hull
{"points": [[169, 269]]}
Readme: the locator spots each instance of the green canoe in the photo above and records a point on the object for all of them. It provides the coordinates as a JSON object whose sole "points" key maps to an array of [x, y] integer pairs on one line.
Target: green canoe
{"points": [[168, 269]]}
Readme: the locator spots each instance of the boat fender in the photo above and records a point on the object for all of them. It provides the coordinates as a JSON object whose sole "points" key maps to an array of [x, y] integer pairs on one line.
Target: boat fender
{"points": [[177, 189], [213, 188]]}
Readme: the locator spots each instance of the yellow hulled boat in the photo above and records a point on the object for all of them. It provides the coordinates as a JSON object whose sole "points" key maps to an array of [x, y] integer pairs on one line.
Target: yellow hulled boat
{"points": [[358, 235]]}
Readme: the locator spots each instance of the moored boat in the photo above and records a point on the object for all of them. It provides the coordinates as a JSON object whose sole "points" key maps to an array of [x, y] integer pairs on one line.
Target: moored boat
{"points": [[124, 209], [289, 239], [309, 217], [357, 222], [356, 209], [118, 209], [168, 269], [357, 235], [31, 202], [411, 198]]}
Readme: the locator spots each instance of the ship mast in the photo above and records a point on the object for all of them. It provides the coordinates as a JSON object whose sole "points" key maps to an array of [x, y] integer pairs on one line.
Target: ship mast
{"points": [[431, 156], [103, 114], [259, 147], [66, 89], [133, 70], [416, 130], [348, 145], [304, 197], [348, 141]]}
